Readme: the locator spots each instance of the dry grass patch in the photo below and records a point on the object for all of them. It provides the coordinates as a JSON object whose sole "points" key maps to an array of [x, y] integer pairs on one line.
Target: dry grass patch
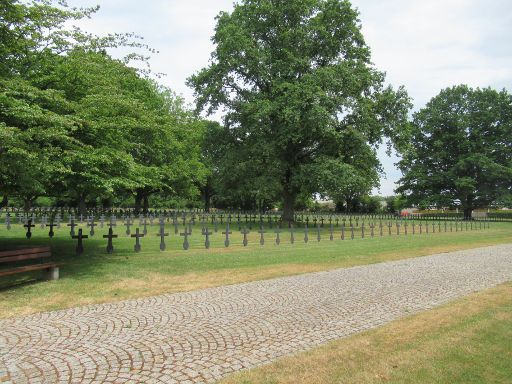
{"points": [[468, 341]]}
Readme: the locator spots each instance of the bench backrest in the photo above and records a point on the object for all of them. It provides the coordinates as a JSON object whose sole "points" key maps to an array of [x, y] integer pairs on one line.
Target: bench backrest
{"points": [[24, 254]]}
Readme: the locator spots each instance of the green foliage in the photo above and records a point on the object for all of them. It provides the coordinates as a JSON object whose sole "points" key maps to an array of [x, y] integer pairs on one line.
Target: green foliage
{"points": [[305, 107], [77, 124], [461, 150]]}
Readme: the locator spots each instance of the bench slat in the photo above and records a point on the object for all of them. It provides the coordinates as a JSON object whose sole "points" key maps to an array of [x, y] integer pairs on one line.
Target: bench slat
{"points": [[25, 257], [27, 268], [24, 251]]}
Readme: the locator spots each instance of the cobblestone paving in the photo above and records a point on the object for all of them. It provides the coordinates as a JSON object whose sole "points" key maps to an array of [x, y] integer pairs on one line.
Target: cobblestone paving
{"points": [[199, 337]]}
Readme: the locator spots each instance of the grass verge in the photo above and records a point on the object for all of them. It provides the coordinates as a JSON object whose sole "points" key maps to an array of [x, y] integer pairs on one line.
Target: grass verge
{"points": [[96, 277]]}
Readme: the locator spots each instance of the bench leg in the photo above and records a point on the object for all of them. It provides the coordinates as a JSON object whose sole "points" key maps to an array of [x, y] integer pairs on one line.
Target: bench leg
{"points": [[51, 273]]}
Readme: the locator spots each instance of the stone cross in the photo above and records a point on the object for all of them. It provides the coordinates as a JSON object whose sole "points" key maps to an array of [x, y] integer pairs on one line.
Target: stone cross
{"points": [[343, 231], [91, 224], [362, 230], [331, 230], [245, 231], [29, 227], [162, 235], [110, 236], [318, 236], [102, 221], [372, 228], [137, 236], [128, 224], [351, 231], [145, 226], [397, 228], [8, 221], [206, 233], [227, 233], [72, 225], [306, 237], [43, 221], [277, 232], [421, 227], [80, 245], [262, 239], [185, 238], [413, 228], [405, 228], [389, 228], [175, 223], [380, 228]]}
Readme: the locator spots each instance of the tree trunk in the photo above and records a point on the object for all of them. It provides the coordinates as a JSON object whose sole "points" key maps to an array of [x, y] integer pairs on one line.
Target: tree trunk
{"points": [[27, 203], [207, 197], [138, 201], [4, 202], [289, 205], [82, 209], [146, 204], [468, 209]]}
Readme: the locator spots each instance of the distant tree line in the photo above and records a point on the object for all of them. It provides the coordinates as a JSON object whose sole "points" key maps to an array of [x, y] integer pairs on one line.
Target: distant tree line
{"points": [[305, 112]]}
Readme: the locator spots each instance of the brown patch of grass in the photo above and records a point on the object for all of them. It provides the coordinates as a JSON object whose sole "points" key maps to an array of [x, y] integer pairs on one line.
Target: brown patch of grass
{"points": [[399, 350]]}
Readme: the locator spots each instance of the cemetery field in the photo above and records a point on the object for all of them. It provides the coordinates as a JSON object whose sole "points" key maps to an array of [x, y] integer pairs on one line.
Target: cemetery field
{"points": [[464, 342], [98, 277]]}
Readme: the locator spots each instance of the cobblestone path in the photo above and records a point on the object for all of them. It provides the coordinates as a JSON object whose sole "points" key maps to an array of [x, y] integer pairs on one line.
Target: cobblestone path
{"points": [[201, 336]]}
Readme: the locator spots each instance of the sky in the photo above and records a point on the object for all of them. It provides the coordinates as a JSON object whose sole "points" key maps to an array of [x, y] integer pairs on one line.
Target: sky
{"points": [[425, 46]]}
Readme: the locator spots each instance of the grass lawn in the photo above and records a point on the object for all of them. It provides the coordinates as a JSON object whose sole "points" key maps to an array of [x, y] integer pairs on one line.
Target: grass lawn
{"points": [[97, 277], [468, 341]]}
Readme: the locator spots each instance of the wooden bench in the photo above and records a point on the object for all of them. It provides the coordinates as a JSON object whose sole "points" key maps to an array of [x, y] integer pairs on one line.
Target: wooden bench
{"points": [[51, 270]]}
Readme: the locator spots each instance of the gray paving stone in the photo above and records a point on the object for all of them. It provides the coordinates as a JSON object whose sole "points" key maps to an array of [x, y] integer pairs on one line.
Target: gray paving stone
{"points": [[198, 337]]}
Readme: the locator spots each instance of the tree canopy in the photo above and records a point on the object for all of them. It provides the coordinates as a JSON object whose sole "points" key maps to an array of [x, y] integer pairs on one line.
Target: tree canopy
{"points": [[77, 124], [305, 107], [461, 150]]}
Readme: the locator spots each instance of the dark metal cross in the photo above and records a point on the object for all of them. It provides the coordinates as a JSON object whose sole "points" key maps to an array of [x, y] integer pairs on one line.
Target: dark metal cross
{"points": [[110, 236], [362, 230], [80, 245], [292, 236], [29, 227], [137, 236], [51, 233], [351, 231], [331, 230], [318, 236], [343, 231], [306, 237], [227, 233]]}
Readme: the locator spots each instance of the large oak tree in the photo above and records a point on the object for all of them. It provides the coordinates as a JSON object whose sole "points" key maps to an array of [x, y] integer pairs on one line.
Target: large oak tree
{"points": [[301, 96], [461, 150]]}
